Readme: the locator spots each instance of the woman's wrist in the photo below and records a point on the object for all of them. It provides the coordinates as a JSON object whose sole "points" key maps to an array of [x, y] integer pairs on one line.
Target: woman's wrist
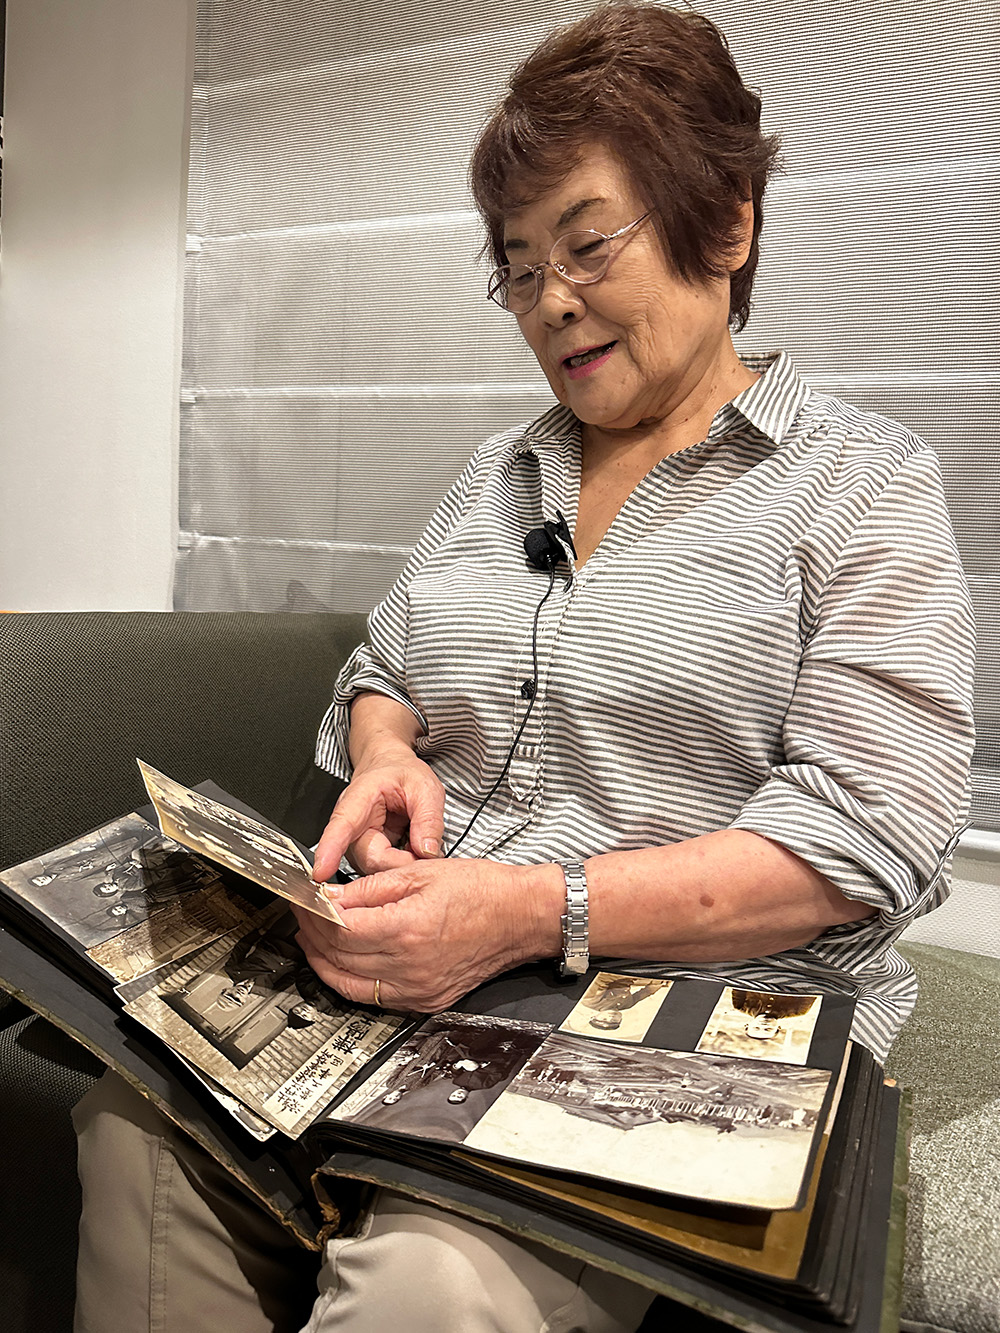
{"points": [[542, 901], [379, 750]]}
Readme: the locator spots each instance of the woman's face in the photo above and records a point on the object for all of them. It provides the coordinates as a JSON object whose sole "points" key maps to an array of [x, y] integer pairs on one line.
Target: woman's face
{"points": [[663, 340]]}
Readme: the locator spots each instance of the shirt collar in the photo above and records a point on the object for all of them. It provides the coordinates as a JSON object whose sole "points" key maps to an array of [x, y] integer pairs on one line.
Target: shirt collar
{"points": [[771, 403], [556, 426]]}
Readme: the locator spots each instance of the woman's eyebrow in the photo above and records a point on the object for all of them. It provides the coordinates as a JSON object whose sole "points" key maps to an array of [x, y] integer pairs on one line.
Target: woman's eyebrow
{"points": [[569, 214]]}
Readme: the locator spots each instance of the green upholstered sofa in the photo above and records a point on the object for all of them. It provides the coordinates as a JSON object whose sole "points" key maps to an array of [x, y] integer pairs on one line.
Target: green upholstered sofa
{"points": [[237, 697]]}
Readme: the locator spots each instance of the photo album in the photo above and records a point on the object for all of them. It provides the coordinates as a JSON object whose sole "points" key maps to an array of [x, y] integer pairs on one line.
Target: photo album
{"points": [[729, 1148]]}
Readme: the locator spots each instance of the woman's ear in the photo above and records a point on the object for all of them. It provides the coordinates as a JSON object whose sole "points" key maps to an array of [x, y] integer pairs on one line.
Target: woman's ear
{"points": [[739, 252]]}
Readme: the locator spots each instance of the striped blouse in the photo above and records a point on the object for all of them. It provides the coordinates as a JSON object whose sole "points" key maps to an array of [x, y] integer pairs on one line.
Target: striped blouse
{"points": [[774, 635]]}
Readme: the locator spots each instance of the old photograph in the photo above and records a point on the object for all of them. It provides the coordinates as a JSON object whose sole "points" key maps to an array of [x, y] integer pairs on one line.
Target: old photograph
{"points": [[250, 1013], [110, 880], [618, 1006], [761, 1026], [262, 854], [254, 1124], [173, 930], [704, 1126], [440, 1081]]}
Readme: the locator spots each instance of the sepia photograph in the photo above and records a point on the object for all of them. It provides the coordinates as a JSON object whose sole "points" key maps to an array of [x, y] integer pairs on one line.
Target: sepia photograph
{"points": [[618, 1006], [249, 1012], [107, 882], [704, 1126], [262, 854], [758, 1025], [443, 1078], [177, 927], [254, 1124]]}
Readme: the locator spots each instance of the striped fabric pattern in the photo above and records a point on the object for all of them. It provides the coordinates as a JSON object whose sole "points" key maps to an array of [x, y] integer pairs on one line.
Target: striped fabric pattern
{"points": [[774, 635]]}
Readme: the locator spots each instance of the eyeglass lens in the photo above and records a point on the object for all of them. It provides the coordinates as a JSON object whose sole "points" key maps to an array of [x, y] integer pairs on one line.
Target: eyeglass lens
{"points": [[580, 256]]}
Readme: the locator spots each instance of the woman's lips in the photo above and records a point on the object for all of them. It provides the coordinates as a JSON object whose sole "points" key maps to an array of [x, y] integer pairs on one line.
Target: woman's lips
{"points": [[592, 358]]}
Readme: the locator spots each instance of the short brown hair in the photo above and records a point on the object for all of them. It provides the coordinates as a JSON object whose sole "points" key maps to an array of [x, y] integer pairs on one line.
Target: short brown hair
{"points": [[658, 87]]}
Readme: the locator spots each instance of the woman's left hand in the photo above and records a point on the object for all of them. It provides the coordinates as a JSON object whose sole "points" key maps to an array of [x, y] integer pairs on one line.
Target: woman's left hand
{"points": [[433, 930]]}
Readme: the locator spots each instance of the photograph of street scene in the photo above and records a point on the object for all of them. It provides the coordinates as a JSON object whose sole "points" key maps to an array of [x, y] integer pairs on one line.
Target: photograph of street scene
{"points": [[235, 840], [130, 897], [704, 1126], [617, 1006], [249, 1012], [758, 1025], [443, 1077]]}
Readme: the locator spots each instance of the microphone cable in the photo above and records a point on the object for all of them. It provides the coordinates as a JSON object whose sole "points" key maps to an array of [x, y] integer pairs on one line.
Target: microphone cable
{"points": [[524, 721]]}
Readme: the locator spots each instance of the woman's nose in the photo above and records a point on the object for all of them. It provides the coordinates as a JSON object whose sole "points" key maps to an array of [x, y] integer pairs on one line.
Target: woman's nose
{"points": [[560, 299]]}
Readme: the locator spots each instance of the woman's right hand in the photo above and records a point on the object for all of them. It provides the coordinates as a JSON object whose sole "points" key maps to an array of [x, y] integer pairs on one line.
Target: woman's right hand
{"points": [[392, 811]]}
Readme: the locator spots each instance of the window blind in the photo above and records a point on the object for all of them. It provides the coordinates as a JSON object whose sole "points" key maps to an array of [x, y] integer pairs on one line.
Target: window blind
{"points": [[341, 362]]}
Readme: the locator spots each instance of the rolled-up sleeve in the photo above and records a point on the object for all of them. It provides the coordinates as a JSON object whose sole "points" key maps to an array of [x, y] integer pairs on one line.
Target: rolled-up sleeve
{"points": [[380, 664], [872, 787]]}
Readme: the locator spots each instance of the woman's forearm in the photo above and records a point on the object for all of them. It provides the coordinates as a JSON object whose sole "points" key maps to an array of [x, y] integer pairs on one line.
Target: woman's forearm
{"points": [[724, 896], [720, 897], [379, 725]]}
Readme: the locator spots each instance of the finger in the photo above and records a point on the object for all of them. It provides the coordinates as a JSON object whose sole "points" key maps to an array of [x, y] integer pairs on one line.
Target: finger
{"points": [[358, 988], [427, 822], [377, 890], [370, 934], [317, 929], [373, 851], [367, 964], [349, 820]]}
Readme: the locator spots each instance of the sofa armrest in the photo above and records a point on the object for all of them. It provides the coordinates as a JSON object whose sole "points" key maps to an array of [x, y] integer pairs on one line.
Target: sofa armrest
{"points": [[948, 1055]]}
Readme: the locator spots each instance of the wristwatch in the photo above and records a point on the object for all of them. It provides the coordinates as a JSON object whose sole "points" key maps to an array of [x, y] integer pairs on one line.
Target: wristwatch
{"points": [[576, 937]]}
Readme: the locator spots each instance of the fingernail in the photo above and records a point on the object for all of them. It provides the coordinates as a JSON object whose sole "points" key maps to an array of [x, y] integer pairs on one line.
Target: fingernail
{"points": [[331, 890], [430, 847]]}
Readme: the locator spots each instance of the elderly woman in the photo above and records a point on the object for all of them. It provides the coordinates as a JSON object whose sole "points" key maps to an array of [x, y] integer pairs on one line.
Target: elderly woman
{"points": [[717, 723]]}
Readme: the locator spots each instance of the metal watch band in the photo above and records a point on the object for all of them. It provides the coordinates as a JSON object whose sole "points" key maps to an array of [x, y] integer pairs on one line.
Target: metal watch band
{"points": [[575, 933]]}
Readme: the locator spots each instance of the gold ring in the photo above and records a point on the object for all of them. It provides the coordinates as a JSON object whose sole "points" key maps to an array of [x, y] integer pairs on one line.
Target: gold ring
{"points": [[377, 1000]]}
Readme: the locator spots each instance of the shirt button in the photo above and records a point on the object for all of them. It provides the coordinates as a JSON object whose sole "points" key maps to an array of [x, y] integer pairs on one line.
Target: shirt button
{"points": [[527, 689]]}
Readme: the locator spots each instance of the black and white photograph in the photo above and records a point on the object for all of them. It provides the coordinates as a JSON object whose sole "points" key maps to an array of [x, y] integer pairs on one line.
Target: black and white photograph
{"points": [[176, 927], [704, 1126], [249, 1012], [444, 1077], [254, 1124], [618, 1006], [759, 1025], [233, 839], [129, 896]]}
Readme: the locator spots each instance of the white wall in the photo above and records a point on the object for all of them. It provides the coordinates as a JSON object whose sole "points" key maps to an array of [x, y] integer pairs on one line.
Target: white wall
{"points": [[96, 115]]}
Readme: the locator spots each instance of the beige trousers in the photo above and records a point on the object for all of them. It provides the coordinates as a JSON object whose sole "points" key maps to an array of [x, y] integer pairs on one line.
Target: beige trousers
{"points": [[170, 1244]]}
